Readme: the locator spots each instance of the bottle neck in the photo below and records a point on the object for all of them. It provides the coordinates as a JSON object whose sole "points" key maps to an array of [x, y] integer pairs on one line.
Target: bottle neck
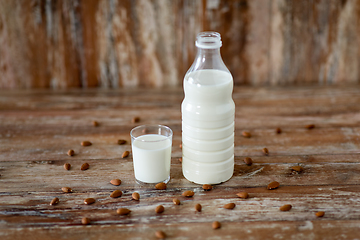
{"points": [[208, 59], [208, 56]]}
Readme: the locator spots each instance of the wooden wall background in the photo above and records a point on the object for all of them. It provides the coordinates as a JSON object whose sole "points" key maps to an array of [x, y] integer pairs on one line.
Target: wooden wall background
{"points": [[126, 43]]}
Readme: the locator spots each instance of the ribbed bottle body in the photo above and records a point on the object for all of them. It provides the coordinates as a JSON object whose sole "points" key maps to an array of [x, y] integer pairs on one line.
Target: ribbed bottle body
{"points": [[208, 113]]}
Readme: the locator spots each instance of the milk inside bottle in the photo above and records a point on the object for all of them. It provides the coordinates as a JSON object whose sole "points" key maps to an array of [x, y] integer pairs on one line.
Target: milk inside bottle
{"points": [[208, 115]]}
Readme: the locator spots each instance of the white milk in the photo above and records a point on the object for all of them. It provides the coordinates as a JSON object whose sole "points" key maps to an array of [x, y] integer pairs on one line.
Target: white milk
{"points": [[208, 126], [151, 159]]}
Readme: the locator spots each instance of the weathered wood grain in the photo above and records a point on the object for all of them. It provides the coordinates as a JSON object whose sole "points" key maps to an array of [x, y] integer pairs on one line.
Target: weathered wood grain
{"points": [[38, 127], [122, 44], [280, 230]]}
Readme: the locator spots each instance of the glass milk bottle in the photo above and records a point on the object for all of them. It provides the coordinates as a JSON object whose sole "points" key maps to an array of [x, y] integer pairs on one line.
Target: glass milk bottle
{"points": [[208, 113]]}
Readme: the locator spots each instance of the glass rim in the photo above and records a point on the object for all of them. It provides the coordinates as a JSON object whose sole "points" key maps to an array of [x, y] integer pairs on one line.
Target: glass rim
{"points": [[151, 125]]}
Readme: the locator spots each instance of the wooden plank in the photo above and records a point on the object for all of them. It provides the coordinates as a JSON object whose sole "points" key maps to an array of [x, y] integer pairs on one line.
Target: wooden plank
{"points": [[32, 211], [255, 230], [50, 175], [20, 143]]}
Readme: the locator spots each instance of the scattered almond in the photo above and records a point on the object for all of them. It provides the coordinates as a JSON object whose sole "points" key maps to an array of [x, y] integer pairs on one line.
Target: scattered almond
{"points": [[216, 225], [286, 207], [71, 153], [123, 211], [85, 166], [135, 120], [246, 134], [135, 196], [207, 187], [116, 194], [248, 161], [115, 182], [66, 190], [176, 201], [188, 193], [54, 201], [297, 169], [85, 221], [180, 145], [320, 214], [67, 166], [160, 186], [278, 130], [89, 201], [121, 141], [160, 234], [86, 143], [180, 160], [265, 151], [273, 185], [198, 207], [310, 126], [243, 195], [159, 209], [229, 205], [125, 154], [95, 123]]}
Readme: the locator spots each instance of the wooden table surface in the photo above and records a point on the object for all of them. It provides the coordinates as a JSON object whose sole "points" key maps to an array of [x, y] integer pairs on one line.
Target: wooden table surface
{"points": [[38, 127]]}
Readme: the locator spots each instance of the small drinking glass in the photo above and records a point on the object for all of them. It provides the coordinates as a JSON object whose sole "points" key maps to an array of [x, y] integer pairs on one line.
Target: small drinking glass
{"points": [[151, 150]]}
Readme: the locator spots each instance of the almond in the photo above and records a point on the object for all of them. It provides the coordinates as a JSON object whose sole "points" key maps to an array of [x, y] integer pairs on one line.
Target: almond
{"points": [[115, 182], [207, 187], [71, 153], [85, 221], [198, 207], [297, 169], [86, 143], [89, 201], [135, 120], [265, 151], [278, 130], [180, 160], [85, 166], [123, 211], [116, 194], [286, 207], [320, 214], [160, 186], [95, 123], [180, 145], [310, 126], [243, 195], [273, 185], [67, 166], [176, 201], [248, 161], [160, 234], [188, 193], [125, 154], [246, 134], [229, 206], [121, 141], [159, 209], [135, 196], [66, 190], [216, 225], [54, 201]]}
